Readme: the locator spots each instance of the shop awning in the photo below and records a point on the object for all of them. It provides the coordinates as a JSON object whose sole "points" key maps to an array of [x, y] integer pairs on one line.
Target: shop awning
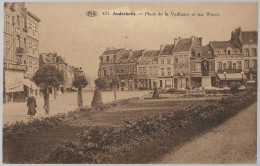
{"points": [[231, 76], [30, 84]]}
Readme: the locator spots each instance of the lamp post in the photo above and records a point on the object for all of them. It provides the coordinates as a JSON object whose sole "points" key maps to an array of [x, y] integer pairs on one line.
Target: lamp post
{"points": [[181, 74], [242, 72], [225, 74]]}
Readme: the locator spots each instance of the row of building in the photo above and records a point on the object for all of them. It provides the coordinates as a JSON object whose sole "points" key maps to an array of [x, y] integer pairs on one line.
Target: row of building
{"points": [[178, 65], [21, 57]]}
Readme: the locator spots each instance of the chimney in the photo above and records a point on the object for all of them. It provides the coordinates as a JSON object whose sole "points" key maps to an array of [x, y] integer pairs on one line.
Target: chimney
{"points": [[143, 51], [130, 52], [175, 41], [161, 47], [64, 59]]}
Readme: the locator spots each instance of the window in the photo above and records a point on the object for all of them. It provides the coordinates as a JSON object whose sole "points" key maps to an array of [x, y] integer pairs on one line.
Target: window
{"points": [[111, 72], [254, 63], [234, 66], [229, 65], [140, 70], [162, 71], [176, 60], [219, 65], [107, 58], [122, 70], [169, 71], [18, 20], [114, 57], [101, 59], [105, 72], [239, 66], [246, 64], [162, 61], [228, 52], [25, 46], [224, 66], [17, 41], [254, 52], [246, 52], [168, 61], [144, 70]]}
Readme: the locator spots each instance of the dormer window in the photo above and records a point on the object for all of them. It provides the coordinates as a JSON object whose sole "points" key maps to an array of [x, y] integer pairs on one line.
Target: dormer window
{"points": [[228, 52]]}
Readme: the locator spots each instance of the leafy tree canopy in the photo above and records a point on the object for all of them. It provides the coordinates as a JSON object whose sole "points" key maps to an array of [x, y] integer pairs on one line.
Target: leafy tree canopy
{"points": [[80, 82], [101, 83], [48, 75], [115, 81]]}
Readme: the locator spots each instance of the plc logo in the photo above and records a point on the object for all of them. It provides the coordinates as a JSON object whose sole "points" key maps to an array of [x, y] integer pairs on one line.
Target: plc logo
{"points": [[91, 13]]}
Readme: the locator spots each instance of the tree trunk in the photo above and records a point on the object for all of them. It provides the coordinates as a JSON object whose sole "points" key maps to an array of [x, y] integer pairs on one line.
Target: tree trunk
{"points": [[80, 101], [114, 92], [55, 92], [46, 101]]}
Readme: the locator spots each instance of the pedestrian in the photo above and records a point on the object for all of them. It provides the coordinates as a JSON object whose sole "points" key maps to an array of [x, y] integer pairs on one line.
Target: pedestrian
{"points": [[31, 104]]}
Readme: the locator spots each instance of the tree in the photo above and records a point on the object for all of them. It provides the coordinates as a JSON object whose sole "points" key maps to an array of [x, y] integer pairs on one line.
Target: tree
{"points": [[101, 83], [114, 83], [80, 82], [46, 77]]}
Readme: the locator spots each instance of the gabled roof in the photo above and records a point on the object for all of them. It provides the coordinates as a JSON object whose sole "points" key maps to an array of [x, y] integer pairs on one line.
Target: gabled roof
{"points": [[206, 52], [150, 55], [249, 36], [184, 44], [167, 50], [124, 56], [136, 55], [111, 51], [48, 57], [223, 44]]}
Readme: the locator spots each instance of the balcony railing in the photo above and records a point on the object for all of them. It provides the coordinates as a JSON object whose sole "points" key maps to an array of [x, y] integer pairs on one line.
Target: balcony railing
{"points": [[19, 50], [230, 71], [14, 66]]}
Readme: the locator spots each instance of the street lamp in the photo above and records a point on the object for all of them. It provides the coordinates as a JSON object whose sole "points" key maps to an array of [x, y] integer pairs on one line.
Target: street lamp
{"points": [[225, 74], [181, 74], [242, 72]]}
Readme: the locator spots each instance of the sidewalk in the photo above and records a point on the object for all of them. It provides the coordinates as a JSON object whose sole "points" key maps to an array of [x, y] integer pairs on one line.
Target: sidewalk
{"points": [[233, 142], [63, 103]]}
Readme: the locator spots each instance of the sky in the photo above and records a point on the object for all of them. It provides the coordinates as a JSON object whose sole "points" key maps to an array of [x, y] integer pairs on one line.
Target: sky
{"points": [[67, 30]]}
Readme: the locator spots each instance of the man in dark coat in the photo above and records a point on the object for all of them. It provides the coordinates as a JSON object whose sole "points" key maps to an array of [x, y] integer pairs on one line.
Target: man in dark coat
{"points": [[31, 104]]}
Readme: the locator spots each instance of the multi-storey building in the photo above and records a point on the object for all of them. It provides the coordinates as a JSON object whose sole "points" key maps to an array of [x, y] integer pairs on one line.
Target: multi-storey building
{"points": [[147, 69], [178, 65], [247, 40], [165, 66], [228, 61], [16, 87], [126, 67], [107, 65], [183, 51], [32, 44]]}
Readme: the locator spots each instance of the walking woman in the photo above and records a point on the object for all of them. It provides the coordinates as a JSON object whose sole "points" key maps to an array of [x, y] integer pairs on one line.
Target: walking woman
{"points": [[31, 104]]}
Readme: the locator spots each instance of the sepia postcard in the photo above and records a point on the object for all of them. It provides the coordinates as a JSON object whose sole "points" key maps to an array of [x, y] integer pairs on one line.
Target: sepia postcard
{"points": [[129, 82]]}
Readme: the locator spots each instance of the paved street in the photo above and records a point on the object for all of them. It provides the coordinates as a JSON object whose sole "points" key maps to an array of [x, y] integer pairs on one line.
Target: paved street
{"points": [[63, 103], [232, 142]]}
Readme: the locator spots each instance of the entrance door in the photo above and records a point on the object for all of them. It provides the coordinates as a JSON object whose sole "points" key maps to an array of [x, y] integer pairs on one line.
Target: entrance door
{"points": [[150, 84], [160, 83], [175, 83]]}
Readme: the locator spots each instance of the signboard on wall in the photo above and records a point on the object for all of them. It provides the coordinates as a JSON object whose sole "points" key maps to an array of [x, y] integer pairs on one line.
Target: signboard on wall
{"points": [[14, 81]]}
